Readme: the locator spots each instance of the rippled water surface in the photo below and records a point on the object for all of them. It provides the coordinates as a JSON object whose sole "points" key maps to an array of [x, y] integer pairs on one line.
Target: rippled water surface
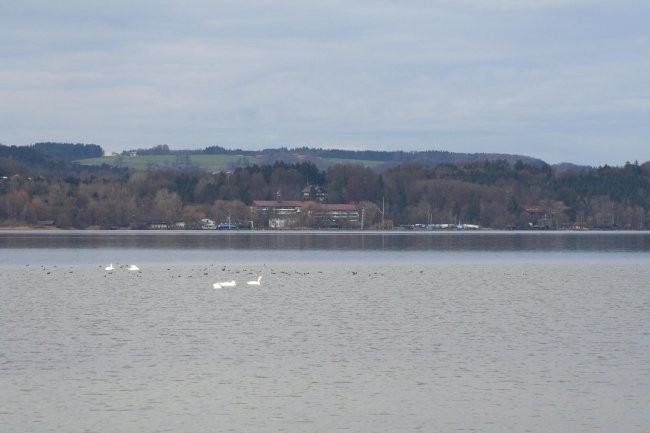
{"points": [[535, 339]]}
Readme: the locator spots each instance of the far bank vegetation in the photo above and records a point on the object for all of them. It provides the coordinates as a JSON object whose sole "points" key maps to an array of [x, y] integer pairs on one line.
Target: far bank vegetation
{"points": [[38, 189]]}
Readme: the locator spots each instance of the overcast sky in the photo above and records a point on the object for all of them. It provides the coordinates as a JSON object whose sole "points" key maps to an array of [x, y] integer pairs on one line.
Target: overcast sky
{"points": [[560, 80]]}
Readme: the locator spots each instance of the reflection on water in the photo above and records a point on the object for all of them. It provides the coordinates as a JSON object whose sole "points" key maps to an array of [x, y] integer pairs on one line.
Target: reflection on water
{"points": [[391, 241]]}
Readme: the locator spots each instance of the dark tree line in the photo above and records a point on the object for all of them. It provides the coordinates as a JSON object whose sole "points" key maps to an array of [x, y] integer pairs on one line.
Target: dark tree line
{"points": [[35, 187], [69, 151]]}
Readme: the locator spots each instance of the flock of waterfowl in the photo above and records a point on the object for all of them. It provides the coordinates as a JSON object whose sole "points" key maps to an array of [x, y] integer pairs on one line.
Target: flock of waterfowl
{"points": [[218, 285]]}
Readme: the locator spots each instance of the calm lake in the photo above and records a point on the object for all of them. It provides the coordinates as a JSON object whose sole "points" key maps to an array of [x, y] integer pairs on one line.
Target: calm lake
{"points": [[348, 331]]}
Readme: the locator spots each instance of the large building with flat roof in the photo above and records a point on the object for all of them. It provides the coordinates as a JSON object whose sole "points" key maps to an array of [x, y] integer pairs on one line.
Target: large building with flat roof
{"points": [[287, 214]]}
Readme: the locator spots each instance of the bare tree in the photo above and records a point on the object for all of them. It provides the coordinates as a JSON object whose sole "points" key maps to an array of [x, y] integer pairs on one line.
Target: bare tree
{"points": [[167, 206]]}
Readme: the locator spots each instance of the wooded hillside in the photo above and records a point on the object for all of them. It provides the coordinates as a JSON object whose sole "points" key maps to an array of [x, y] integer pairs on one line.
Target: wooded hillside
{"points": [[36, 188]]}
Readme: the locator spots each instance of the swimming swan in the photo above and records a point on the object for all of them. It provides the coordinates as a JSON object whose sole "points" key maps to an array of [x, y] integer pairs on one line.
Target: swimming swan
{"points": [[227, 283], [133, 268], [254, 282], [109, 267]]}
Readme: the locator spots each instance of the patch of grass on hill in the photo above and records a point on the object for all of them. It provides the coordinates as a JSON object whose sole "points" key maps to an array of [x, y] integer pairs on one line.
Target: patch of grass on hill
{"points": [[208, 162], [364, 162], [145, 162]]}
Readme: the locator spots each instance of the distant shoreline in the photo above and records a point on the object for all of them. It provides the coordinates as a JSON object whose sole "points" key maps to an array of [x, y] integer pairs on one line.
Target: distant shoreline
{"points": [[19, 228], [480, 230]]}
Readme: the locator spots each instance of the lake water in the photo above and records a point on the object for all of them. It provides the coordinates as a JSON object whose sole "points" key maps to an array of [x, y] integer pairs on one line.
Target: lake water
{"points": [[357, 332]]}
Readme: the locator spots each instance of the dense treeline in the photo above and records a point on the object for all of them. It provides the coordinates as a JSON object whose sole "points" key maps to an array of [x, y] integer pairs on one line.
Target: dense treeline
{"points": [[26, 159], [425, 157], [35, 188], [69, 151]]}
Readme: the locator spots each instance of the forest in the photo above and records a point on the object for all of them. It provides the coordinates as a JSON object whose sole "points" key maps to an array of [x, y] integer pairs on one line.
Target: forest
{"points": [[44, 188]]}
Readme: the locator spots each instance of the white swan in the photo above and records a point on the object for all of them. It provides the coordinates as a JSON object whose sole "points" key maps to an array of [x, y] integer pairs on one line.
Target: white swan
{"points": [[228, 283], [133, 268], [254, 282], [216, 286], [109, 267]]}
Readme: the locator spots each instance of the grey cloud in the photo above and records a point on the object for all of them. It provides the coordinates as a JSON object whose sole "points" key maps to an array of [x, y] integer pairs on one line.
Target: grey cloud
{"points": [[545, 78]]}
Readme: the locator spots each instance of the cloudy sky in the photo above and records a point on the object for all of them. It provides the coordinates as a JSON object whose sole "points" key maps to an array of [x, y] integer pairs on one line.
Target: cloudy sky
{"points": [[561, 80]]}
